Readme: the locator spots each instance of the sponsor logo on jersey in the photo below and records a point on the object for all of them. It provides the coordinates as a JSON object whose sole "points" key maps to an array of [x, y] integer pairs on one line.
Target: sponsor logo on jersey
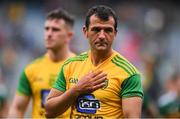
{"points": [[44, 94], [87, 104], [73, 80]]}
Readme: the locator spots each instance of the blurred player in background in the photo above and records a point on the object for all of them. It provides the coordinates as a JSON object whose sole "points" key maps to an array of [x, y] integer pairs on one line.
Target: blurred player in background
{"points": [[37, 78], [100, 83], [169, 102]]}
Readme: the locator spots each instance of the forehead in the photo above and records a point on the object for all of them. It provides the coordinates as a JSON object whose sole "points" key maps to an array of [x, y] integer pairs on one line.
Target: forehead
{"points": [[97, 22], [57, 22]]}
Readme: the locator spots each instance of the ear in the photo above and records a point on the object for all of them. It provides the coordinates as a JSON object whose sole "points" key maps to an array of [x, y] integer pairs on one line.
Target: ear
{"points": [[70, 36], [115, 33], [85, 31]]}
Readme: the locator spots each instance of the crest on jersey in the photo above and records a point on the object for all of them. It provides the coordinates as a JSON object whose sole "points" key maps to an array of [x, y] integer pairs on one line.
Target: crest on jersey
{"points": [[106, 82]]}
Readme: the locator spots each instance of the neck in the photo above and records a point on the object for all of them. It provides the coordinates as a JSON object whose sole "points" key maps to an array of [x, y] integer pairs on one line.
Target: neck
{"points": [[99, 57], [58, 55]]}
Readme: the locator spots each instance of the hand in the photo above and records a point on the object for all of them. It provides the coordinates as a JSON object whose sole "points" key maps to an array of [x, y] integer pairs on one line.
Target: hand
{"points": [[91, 82]]}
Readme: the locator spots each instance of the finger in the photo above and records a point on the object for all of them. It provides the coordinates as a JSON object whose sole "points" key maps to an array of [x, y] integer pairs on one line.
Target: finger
{"points": [[100, 80], [99, 76], [89, 75], [96, 73], [101, 85]]}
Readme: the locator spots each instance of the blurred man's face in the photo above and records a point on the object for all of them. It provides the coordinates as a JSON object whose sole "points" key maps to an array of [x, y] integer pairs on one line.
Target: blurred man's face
{"points": [[56, 34], [100, 33]]}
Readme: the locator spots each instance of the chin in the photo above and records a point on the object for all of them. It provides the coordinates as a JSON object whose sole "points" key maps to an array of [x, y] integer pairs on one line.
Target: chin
{"points": [[49, 47], [101, 48]]}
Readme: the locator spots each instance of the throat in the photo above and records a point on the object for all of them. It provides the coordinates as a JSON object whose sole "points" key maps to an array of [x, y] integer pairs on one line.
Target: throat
{"points": [[98, 58], [58, 56]]}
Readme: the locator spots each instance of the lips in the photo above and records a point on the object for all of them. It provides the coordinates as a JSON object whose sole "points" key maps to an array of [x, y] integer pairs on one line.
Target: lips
{"points": [[49, 40], [100, 43]]}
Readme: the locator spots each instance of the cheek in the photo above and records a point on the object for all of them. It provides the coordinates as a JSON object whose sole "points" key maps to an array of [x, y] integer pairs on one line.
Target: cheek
{"points": [[111, 38], [93, 37], [61, 36]]}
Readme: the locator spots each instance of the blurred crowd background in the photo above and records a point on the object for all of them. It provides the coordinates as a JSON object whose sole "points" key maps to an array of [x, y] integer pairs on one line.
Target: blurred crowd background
{"points": [[148, 34]]}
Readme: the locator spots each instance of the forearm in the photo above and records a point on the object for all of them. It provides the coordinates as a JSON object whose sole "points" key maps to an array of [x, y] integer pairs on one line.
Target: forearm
{"points": [[18, 107], [57, 105], [14, 113]]}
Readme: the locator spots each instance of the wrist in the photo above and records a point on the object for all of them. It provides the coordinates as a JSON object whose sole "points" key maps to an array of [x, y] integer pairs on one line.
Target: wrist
{"points": [[76, 91]]}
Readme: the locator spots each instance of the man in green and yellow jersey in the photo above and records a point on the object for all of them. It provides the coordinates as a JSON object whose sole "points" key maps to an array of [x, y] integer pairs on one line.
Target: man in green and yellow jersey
{"points": [[37, 78], [99, 83]]}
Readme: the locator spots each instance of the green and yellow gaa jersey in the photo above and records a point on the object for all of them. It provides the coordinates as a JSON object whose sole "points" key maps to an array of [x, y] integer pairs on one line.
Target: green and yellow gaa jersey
{"points": [[36, 81], [123, 80]]}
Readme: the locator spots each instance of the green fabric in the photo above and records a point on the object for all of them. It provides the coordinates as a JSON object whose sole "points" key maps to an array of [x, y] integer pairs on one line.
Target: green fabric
{"points": [[129, 65], [132, 87], [80, 57], [60, 83], [170, 108], [24, 85]]}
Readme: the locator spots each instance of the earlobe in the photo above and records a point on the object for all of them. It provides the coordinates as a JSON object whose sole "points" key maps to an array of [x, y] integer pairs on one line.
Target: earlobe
{"points": [[70, 35]]}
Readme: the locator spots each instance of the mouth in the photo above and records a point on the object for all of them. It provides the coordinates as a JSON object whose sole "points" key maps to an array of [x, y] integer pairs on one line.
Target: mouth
{"points": [[49, 40], [101, 43]]}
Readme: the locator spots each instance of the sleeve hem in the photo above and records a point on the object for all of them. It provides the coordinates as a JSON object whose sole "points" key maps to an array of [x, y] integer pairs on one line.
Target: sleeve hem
{"points": [[22, 93], [59, 88], [134, 95]]}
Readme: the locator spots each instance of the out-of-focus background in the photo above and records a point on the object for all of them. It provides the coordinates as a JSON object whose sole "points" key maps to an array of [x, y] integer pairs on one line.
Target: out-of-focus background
{"points": [[148, 36]]}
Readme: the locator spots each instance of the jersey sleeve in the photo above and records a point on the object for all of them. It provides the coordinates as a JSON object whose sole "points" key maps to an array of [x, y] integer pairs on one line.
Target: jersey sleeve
{"points": [[132, 87], [24, 85], [60, 83]]}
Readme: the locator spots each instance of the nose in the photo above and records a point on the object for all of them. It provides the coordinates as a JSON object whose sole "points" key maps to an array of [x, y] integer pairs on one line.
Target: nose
{"points": [[102, 34], [48, 33]]}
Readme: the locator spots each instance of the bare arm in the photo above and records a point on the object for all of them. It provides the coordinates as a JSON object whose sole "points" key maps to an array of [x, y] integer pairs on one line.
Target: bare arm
{"points": [[58, 102], [18, 107], [132, 107]]}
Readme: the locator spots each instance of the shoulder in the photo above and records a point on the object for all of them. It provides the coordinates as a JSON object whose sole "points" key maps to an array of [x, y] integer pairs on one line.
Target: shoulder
{"points": [[119, 61], [79, 58], [34, 64]]}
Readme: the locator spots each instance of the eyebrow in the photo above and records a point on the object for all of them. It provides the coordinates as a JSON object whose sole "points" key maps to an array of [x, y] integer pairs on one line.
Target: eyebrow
{"points": [[96, 28], [53, 28]]}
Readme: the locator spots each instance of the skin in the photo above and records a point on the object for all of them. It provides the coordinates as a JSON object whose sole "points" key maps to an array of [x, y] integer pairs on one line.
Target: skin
{"points": [[100, 35], [57, 35]]}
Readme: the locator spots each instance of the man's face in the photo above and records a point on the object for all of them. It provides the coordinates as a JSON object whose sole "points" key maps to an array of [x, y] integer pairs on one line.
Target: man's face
{"points": [[56, 33], [100, 33]]}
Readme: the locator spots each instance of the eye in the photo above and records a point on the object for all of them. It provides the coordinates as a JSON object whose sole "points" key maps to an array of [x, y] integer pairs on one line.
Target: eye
{"points": [[55, 29], [46, 28], [108, 30], [96, 29]]}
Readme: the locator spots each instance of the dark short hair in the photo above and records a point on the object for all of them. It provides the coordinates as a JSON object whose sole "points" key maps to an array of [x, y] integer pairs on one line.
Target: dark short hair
{"points": [[61, 14], [103, 12]]}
